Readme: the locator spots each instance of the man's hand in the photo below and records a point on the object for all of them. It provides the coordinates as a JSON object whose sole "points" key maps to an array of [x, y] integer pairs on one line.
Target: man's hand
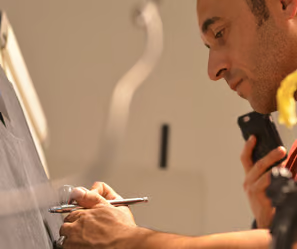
{"points": [[100, 226], [103, 227], [257, 180]]}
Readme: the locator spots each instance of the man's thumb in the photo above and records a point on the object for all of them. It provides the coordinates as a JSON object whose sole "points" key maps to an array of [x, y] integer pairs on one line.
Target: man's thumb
{"points": [[86, 198]]}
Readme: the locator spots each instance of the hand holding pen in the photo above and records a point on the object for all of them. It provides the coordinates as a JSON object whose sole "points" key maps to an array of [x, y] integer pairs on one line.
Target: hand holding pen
{"points": [[70, 196], [98, 216]]}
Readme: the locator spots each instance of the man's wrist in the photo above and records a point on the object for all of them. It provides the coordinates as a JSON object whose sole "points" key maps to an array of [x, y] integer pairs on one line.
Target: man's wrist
{"points": [[140, 238], [145, 238]]}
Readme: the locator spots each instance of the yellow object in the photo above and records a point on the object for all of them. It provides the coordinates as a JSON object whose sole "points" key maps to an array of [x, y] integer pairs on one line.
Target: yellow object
{"points": [[286, 100]]}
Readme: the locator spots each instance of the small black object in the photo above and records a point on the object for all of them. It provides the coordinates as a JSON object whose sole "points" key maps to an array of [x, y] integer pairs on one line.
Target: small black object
{"points": [[264, 129], [2, 119], [164, 145], [283, 193]]}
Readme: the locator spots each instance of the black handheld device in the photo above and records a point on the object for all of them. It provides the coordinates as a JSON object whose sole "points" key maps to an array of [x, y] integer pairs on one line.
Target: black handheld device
{"points": [[264, 129]]}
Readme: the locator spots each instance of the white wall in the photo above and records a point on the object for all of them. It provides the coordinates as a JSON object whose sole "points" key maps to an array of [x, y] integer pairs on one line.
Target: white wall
{"points": [[77, 50]]}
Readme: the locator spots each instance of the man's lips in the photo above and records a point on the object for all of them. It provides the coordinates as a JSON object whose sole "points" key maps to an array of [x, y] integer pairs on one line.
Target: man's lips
{"points": [[235, 84]]}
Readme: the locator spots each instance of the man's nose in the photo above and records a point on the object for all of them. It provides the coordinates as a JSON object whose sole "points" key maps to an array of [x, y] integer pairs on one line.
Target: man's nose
{"points": [[218, 65]]}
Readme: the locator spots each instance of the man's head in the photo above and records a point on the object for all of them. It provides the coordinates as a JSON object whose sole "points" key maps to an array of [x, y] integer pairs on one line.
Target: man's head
{"points": [[252, 45]]}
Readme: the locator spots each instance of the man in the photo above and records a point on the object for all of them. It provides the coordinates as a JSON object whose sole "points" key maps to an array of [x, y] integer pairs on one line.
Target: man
{"points": [[252, 45]]}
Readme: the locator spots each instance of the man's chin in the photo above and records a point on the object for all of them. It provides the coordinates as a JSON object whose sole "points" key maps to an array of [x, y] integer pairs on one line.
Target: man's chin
{"points": [[263, 109]]}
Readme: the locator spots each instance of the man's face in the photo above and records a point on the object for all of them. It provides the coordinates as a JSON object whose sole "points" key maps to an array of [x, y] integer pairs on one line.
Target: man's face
{"points": [[252, 59]]}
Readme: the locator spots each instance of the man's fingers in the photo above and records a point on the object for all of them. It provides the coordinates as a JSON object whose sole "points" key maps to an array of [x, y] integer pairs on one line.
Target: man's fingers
{"points": [[264, 163], [263, 182], [246, 155], [259, 186], [74, 216], [65, 229], [86, 198], [104, 190]]}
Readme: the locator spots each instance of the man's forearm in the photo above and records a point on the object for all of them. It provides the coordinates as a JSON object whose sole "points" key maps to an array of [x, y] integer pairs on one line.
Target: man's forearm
{"points": [[148, 239]]}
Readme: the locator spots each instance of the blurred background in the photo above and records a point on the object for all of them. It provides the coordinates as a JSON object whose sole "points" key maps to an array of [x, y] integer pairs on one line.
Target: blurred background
{"points": [[76, 51]]}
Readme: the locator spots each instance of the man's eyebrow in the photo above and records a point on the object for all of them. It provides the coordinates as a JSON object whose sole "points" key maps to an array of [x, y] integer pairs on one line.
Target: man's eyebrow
{"points": [[208, 22]]}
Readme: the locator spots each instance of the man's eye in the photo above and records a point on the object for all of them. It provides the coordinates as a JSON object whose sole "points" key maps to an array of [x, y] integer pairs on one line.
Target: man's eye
{"points": [[219, 34]]}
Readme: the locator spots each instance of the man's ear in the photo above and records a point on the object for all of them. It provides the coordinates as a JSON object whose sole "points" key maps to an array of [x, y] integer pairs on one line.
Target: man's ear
{"points": [[289, 8]]}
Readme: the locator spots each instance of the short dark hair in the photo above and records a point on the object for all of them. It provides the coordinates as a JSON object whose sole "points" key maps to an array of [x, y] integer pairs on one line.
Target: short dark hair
{"points": [[259, 9]]}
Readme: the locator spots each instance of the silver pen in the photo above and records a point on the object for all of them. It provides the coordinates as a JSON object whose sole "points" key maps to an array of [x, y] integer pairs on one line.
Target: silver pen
{"points": [[67, 208]]}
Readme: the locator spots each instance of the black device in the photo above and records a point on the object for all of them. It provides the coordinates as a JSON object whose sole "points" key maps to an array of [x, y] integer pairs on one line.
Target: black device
{"points": [[283, 193], [264, 129]]}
